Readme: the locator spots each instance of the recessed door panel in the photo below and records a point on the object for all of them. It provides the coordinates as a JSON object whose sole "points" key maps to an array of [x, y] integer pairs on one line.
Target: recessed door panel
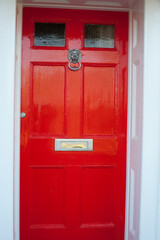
{"points": [[73, 135], [48, 99], [47, 211], [95, 188], [99, 104]]}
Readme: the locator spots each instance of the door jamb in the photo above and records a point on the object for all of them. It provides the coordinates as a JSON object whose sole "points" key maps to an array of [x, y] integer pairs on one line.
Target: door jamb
{"points": [[16, 173], [128, 125]]}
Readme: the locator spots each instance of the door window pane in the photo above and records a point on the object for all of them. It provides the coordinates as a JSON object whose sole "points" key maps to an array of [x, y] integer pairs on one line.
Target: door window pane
{"points": [[49, 34], [99, 36]]}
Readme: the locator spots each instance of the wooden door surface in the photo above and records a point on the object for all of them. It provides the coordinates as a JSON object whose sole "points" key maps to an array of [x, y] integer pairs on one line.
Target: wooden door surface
{"points": [[73, 195]]}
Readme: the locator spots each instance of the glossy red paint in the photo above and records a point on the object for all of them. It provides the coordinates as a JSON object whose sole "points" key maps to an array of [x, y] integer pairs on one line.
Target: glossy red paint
{"points": [[73, 195]]}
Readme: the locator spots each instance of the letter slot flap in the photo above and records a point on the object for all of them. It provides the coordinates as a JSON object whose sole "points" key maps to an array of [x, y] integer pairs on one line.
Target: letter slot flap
{"points": [[73, 144]]}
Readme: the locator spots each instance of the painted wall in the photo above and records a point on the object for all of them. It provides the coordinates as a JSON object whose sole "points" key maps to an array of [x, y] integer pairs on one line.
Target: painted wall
{"points": [[7, 71], [151, 124]]}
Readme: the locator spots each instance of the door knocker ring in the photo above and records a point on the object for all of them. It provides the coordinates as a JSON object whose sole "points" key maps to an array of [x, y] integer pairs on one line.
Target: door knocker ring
{"points": [[74, 56]]}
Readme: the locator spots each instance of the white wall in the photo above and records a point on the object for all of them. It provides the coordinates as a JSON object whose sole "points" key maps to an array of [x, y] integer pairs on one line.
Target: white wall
{"points": [[151, 124], [7, 64]]}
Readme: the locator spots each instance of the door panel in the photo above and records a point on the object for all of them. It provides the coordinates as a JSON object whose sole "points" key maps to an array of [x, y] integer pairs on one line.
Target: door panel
{"points": [[46, 212], [94, 181], [75, 195], [99, 114], [48, 99]]}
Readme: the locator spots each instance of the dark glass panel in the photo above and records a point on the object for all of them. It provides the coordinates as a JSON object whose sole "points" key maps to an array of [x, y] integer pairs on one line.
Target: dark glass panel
{"points": [[99, 36], [49, 34]]}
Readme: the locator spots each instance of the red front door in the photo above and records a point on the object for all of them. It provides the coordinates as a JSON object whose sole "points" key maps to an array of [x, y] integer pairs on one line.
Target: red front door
{"points": [[71, 191]]}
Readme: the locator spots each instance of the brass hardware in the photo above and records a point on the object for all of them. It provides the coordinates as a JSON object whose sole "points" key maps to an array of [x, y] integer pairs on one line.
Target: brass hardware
{"points": [[73, 144]]}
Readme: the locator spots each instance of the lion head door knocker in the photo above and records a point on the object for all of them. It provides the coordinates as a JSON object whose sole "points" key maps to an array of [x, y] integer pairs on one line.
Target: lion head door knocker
{"points": [[74, 56]]}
